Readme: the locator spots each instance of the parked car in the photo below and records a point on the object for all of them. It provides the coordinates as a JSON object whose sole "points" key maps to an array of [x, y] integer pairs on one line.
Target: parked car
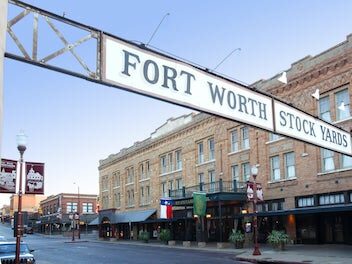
{"points": [[8, 253], [29, 230]]}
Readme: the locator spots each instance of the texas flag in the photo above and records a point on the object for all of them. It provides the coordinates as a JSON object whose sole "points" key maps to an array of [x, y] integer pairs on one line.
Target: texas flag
{"points": [[166, 208]]}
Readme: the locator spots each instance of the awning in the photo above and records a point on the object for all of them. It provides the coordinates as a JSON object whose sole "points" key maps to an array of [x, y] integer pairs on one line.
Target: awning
{"points": [[308, 210], [95, 221], [133, 216]]}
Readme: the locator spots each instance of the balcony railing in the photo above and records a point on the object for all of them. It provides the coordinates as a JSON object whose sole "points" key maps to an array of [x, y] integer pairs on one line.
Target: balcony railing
{"points": [[212, 187]]}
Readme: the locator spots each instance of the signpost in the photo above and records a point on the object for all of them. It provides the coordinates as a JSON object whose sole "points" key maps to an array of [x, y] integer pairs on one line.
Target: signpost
{"points": [[136, 68]]}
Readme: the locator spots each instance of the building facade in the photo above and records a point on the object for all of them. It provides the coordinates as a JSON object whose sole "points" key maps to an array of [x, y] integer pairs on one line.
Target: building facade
{"points": [[307, 189], [57, 212]]}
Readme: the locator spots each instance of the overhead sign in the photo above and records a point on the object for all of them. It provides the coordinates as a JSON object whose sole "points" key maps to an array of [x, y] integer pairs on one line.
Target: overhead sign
{"points": [[297, 124], [146, 72], [137, 69]]}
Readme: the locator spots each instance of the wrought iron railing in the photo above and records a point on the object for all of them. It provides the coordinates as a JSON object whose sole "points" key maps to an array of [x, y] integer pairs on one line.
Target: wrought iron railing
{"points": [[212, 187]]}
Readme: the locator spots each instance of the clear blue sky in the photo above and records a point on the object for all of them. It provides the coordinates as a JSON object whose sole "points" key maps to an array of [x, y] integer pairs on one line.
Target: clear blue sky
{"points": [[71, 123]]}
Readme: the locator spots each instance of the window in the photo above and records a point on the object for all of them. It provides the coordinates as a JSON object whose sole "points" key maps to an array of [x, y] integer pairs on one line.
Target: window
{"points": [[178, 160], [147, 188], [346, 161], [273, 136], [234, 141], [163, 164], [130, 175], [87, 207], [262, 207], [200, 153], [327, 160], [118, 179], [342, 104], [118, 200], [275, 168], [331, 199], [171, 164], [211, 174], [201, 177], [71, 207], [179, 184], [324, 108], [141, 171], [141, 196], [246, 172], [164, 192], [305, 201], [171, 185], [245, 137], [211, 149], [147, 164], [235, 173], [290, 165]]}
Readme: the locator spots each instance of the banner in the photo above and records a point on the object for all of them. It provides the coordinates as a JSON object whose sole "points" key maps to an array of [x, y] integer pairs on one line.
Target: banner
{"points": [[166, 208], [250, 192], [199, 204], [8, 176], [34, 178]]}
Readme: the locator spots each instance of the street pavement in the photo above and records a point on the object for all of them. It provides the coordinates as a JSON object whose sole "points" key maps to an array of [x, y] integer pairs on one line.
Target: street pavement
{"points": [[57, 249]]}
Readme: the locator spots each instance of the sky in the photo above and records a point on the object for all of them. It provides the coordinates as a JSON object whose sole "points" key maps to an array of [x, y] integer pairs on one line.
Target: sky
{"points": [[71, 123]]}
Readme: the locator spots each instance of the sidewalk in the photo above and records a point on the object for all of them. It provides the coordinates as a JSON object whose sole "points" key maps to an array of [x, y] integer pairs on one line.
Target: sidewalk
{"points": [[294, 254]]}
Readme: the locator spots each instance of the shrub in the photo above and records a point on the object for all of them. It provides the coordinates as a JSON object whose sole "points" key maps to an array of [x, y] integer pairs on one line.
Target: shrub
{"points": [[144, 236], [278, 238], [165, 235]]}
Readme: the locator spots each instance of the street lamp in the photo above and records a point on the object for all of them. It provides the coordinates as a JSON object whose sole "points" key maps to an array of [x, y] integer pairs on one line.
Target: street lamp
{"points": [[78, 206], [21, 139], [254, 171]]}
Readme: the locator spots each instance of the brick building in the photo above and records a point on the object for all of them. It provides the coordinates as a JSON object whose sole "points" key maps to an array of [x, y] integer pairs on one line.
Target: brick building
{"points": [[56, 211], [307, 190]]}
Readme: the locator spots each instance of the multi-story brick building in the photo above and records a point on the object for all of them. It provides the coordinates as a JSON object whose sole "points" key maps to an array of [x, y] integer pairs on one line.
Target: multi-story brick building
{"points": [[307, 190], [56, 211]]}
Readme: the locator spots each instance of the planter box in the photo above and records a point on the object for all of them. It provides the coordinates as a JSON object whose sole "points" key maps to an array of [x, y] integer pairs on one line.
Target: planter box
{"points": [[202, 244], [186, 243], [172, 242]]}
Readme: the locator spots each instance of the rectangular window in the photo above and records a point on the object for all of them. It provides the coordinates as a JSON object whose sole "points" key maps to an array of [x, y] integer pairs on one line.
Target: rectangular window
{"points": [[164, 192], [305, 201], [141, 196], [234, 141], [211, 147], [179, 184], [171, 163], [118, 179], [147, 164], [211, 175], [141, 171], [246, 172], [327, 160], [148, 193], [342, 100], [118, 200], [290, 165], [275, 168], [324, 108], [273, 136], [235, 173], [87, 207], [178, 160], [163, 164], [245, 137], [201, 177], [200, 153], [130, 175], [71, 207], [331, 199], [346, 161], [171, 185]]}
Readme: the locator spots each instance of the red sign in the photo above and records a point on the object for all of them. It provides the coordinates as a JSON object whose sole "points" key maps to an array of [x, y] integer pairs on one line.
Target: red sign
{"points": [[250, 191], [34, 178], [8, 176]]}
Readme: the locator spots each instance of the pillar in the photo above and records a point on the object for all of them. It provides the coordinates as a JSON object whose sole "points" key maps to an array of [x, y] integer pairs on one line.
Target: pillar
{"points": [[3, 27]]}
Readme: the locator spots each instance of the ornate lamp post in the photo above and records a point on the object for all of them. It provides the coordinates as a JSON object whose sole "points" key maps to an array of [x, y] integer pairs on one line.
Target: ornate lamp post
{"points": [[21, 139], [254, 171]]}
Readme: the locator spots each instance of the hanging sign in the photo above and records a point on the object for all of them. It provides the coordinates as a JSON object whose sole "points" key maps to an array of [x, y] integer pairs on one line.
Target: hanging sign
{"points": [[8, 176], [34, 178]]}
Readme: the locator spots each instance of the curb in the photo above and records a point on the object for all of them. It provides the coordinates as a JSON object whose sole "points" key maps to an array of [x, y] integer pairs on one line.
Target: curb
{"points": [[259, 261]]}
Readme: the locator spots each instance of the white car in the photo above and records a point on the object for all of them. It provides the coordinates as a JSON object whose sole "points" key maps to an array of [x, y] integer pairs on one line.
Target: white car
{"points": [[8, 253]]}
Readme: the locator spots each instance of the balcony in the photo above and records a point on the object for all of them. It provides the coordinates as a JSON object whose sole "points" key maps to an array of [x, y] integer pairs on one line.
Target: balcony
{"points": [[210, 188]]}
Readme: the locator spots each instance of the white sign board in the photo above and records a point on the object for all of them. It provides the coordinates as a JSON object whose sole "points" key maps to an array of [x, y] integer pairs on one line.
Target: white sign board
{"points": [[294, 123], [137, 69], [142, 71]]}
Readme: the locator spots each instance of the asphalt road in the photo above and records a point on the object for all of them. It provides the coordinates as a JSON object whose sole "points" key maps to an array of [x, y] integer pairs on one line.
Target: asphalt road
{"points": [[59, 250]]}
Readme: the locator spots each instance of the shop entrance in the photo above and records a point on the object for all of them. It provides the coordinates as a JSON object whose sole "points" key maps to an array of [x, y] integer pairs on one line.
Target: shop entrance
{"points": [[105, 228]]}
